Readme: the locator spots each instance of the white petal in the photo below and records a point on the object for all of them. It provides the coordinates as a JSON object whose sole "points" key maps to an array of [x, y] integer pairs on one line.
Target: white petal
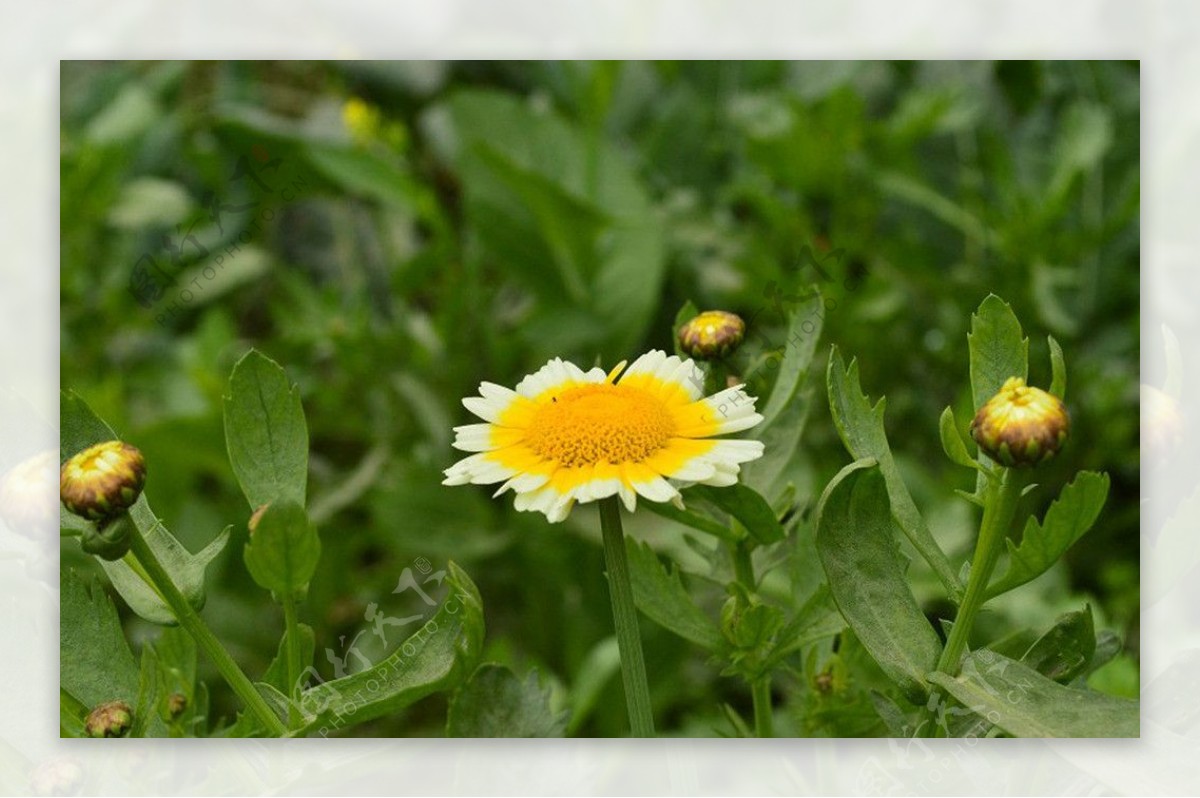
{"points": [[656, 490], [474, 438]]}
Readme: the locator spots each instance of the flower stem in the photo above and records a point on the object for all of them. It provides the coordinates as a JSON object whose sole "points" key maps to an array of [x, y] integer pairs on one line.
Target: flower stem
{"points": [[1000, 505], [999, 508], [190, 620], [760, 692], [629, 642], [292, 656]]}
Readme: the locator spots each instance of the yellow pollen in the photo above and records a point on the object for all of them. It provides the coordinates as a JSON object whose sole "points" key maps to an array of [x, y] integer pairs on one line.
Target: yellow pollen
{"points": [[600, 424]]}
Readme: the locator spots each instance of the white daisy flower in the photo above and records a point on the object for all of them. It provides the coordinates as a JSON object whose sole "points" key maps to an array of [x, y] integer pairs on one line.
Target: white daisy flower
{"points": [[566, 435]]}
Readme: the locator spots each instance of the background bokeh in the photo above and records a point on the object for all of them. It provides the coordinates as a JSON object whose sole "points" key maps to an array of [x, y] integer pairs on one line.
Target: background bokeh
{"points": [[393, 233]]}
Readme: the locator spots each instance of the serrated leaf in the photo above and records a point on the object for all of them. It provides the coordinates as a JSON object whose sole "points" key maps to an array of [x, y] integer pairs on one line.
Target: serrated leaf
{"points": [[265, 432], [747, 506], [804, 329], [662, 597], [1066, 650], [436, 658], [999, 350], [861, 429], [495, 703], [1058, 369], [1025, 703], [283, 551], [858, 550], [1042, 544], [952, 441], [95, 663], [79, 429]]}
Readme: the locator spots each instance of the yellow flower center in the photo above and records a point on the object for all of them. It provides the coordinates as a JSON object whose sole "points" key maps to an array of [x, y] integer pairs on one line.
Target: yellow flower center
{"points": [[593, 424]]}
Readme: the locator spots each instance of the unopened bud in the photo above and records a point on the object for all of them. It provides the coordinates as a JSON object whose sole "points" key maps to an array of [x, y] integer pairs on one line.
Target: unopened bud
{"points": [[103, 481], [1021, 425], [712, 335], [176, 704], [110, 719]]}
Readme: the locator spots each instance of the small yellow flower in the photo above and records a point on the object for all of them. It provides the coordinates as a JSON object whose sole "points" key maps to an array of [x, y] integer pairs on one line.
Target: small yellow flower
{"points": [[566, 435], [712, 335], [1021, 425], [102, 481], [361, 119]]}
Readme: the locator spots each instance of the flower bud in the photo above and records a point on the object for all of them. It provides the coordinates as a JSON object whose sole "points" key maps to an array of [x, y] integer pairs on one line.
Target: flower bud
{"points": [[176, 705], [103, 481], [108, 540], [110, 719], [1021, 425], [712, 335]]}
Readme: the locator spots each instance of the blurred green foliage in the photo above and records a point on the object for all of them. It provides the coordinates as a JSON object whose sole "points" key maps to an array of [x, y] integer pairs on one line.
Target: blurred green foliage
{"points": [[394, 233]]}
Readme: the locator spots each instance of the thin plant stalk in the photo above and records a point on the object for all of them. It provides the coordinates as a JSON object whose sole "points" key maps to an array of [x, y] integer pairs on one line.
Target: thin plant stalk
{"points": [[292, 656], [190, 620], [629, 641]]}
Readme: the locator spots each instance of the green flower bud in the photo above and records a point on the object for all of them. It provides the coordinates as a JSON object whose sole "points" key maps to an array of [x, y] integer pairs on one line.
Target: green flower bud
{"points": [[110, 719], [103, 481], [1021, 425], [108, 540], [712, 335]]}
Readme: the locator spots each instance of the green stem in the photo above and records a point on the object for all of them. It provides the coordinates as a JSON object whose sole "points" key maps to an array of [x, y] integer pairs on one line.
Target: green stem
{"points": [[998, 513], [292, 656], [190, 620], [760, 692], [760, 688], [1000, 505], [629, 642]]}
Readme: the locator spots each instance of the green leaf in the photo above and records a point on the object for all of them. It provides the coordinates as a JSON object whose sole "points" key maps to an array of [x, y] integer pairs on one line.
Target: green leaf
{"points": [[1058, 368], [146, 719], [436, 658], [689, 518], [952, 441], [663, 598], [781, 442], [858, 551], [861, 429], [804, 328], [1067, 650], [366, 174], [1069, 517], [748, 507], [1025, 703], [95, 663], [998, 349], [265, 432], [283, 550], [599, 667], [686, 313], [79, 429], [561, 210], [495, 703]]}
